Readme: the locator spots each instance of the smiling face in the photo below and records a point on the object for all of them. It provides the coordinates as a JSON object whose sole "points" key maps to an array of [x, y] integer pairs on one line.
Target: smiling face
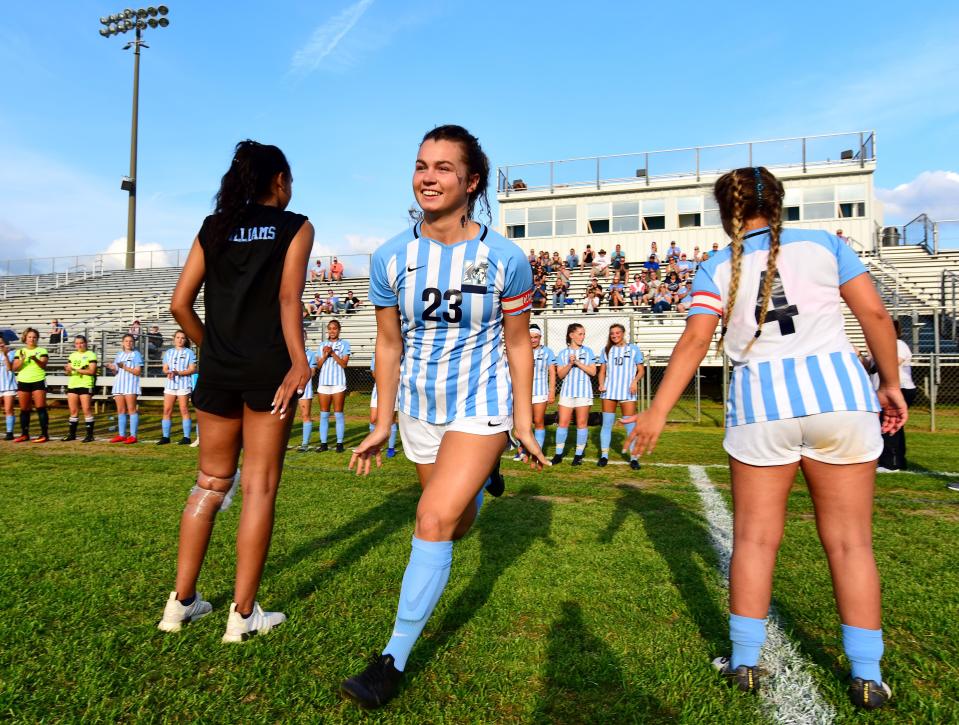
{"points": [[332, 331], [30, 340], [535, 337], [616, 334], [441, 181]]}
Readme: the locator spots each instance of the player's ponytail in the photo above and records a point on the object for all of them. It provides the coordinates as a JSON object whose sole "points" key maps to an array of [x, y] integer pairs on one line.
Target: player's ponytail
{"points": [[248, 180], [476, 163]]}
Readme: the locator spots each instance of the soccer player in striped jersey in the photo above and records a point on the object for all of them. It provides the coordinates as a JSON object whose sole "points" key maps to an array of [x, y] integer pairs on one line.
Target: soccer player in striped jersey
{"points": [[179, 364], [452, 296], [798, 399], [374, 400], [82, 371], [620, 370], [127, 368], [575, 366], [331, 384], [544, 382], [8, 387], [306, 400]]}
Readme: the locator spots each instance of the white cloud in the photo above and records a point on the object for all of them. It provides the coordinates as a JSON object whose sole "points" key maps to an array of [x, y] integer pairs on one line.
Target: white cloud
{"points": [[354, 252], [935, 193], [148, 255], [327, 37]]}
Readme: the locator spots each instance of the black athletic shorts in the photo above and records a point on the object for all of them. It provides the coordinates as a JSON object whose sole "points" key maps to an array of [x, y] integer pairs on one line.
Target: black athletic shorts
{"points": [[30, 387], [80, 391], [229, 403]]}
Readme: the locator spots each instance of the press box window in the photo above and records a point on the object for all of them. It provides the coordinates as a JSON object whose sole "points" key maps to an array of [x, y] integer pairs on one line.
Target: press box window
{"points": [[565, 220], [654, 214], [516, 223], [819, 203], [626, 216], [791, 203], [597, 219], [711, 211], [539, 221], [690, 210], [851, 200]]}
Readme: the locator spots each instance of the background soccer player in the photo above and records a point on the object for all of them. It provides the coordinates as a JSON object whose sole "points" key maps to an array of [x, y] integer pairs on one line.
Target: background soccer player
{"points": [[30, 365], [179, 364], [575, 366], [798, 398], [620, 370], [334, 356], [127, 368], [8, 387], [544, 382], [374, 402], [82, 371], [306, 400], [251, 258], [448, 293]]}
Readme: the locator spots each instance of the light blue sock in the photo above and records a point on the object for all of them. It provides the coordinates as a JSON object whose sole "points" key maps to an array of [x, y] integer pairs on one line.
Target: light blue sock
{"points": [[423, 583], [307, 431], [122, 424], [324, 426], [372, 426], [187, 426], [747, 635], [864, 649], [479, 498], [134, 424], [11, 419], [392, 443], [629, 429], [540, 435], [606, 433], [582, 434], [561, 440], [340, 426], [166, 425]]}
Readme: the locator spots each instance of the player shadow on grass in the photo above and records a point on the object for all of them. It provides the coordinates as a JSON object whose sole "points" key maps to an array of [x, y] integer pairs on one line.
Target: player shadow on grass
{"points": [[507, 529], [370, 529], [584, 679], [682, 541]]}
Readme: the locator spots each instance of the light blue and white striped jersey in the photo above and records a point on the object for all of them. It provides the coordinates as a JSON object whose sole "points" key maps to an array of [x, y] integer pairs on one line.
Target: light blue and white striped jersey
{"points": [[311, 357], [576, 384], [543, 358], [8, 378], [178, 359], [621, 362], [125, 382], [452, 299], [375, 395], [802, 363], [331, 373]]}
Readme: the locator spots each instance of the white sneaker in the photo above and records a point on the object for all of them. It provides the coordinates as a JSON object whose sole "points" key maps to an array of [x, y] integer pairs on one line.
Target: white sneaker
{"points": [[239, 629], [175, 615]]}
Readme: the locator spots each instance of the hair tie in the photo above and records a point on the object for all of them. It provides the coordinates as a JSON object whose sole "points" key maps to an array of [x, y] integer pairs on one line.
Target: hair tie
{"points": [[759, 187], [758, 333], [722, 332]]}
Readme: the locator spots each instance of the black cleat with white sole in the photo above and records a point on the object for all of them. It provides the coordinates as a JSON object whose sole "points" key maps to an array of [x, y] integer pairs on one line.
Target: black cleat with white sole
{"points": [[602, 462], [557, 459], [376, 685], [634, 464], [743, 677], [578, 459], [868, 694], [497, 484]]}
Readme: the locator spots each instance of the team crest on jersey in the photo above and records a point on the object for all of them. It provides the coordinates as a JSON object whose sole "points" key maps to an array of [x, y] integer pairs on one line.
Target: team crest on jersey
{"points": [[475, 277]]}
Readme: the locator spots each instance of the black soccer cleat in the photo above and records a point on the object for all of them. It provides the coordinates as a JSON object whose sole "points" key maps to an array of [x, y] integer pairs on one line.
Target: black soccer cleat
{"points": [[163, 441], [557, 459], [868, 694], [602, 462], [184, 441], [71, 436], [88, 438], [578, 459], [339, 448], [376, 685], [497, 484], [8, 437], [322, 448], [743, 677], [634, 464]]}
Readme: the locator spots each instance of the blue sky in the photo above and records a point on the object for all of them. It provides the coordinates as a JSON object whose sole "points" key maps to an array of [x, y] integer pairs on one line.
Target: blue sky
{"points": [[348, 88]]}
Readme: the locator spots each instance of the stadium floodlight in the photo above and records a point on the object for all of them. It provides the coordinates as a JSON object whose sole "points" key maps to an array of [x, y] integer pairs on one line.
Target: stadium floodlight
{"points": [[116, 23]]}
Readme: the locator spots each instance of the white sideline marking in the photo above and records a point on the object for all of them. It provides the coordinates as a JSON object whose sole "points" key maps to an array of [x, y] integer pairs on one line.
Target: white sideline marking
{"points": [[789, 694]]}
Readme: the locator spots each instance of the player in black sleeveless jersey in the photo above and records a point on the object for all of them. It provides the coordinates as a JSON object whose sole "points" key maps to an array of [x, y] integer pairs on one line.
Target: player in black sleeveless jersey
{"points": [[251, 254]]}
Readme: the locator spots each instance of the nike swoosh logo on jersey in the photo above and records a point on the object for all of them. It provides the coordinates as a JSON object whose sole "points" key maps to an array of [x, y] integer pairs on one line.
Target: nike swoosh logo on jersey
{"points": [[413, 269]]}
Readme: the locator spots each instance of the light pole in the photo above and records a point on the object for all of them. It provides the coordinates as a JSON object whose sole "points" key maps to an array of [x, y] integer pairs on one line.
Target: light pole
{"points": [[122, 22]]}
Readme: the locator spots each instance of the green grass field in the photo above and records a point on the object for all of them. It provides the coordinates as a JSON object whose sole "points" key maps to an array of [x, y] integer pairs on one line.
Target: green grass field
{"points": [[581, 596]]}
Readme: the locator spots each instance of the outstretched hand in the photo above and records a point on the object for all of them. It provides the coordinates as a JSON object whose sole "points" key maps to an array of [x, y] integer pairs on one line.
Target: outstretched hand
{"points": [[369, 449], [643, 439], [531, 451]]}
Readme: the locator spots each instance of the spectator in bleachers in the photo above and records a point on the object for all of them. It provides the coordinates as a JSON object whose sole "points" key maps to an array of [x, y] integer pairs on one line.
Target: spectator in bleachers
{"points": [[317, 273], [127, 369], [672, 284], [661, 300], [563, 271], [572, 259], [651, 264], [601, 265], [697, 257], [336, 270], [134, 330], [704, 257], [637, 290], [179, 364], [588, 256], [653, 252], [316, 305], [684, 265], [331, 384], [8, 386], [560, 290], [593, 296], [82, 371], [539, 291], [332, 305], [673, 251], [532, 257], [683, 298], [843, 237], [154, 341], [555, 262], [58, 333], [617, 291], [30, 365], [617, 255], [715, 248], [351, 301]]}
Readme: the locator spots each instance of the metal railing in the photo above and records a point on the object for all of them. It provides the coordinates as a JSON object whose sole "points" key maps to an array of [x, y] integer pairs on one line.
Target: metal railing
{"points": [[847, 149]]}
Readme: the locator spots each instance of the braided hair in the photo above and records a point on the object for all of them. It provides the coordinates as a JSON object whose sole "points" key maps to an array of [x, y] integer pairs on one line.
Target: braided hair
{"points": [[743, 194], [249, 179]]}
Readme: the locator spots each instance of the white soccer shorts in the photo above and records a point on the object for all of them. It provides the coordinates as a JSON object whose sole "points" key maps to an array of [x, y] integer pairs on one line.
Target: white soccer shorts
{"points": [[421, 440]]}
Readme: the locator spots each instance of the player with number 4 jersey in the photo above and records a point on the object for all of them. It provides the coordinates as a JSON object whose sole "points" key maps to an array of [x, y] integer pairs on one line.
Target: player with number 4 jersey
{"points": [[452, 307], [798, 399]]}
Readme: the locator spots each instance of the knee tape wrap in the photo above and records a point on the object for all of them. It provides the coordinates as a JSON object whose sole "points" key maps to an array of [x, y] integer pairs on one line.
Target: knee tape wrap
{"points": [[207, 496]]}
